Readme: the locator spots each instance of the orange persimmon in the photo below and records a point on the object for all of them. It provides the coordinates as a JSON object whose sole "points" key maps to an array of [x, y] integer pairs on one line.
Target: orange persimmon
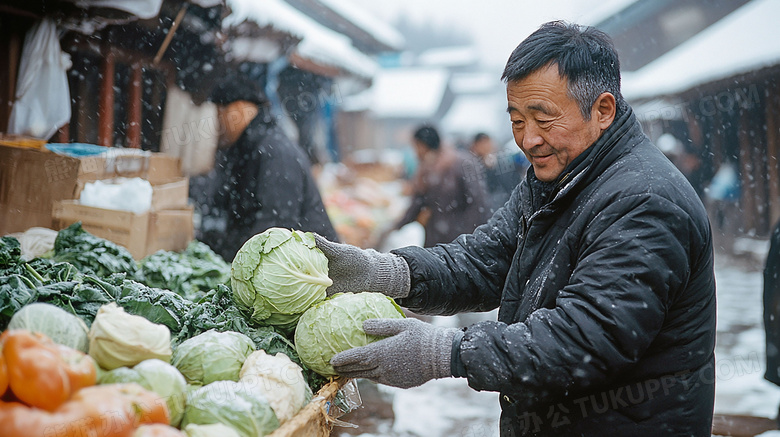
{"points": [[42, 373], [3, 373], [112, 410]]}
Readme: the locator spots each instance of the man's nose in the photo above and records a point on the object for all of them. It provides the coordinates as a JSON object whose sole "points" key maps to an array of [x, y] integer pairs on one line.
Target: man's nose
{"points": [[531, 137]]}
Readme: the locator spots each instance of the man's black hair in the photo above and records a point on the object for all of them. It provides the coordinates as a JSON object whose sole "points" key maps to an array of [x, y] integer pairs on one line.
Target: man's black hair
{"points": [[428, 135], [480, 136], [585, 56], [236, 85]]}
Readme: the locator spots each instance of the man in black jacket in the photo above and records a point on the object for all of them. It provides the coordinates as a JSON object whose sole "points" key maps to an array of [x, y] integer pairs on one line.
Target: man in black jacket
{"points": [[601, 265], [261, 178]]}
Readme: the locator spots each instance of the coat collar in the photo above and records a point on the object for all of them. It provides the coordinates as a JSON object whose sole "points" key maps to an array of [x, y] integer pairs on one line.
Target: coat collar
{"points": [[586, 167]]}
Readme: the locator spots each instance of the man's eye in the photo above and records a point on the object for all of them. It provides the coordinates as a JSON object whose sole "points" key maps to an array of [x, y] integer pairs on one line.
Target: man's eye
{"points": [[517, 122], [543, 122]]}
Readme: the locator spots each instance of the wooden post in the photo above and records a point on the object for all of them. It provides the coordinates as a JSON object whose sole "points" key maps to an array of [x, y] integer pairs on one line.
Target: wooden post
{"points": [[135, 96], [106, 107], [750, 168], [63, 134]]}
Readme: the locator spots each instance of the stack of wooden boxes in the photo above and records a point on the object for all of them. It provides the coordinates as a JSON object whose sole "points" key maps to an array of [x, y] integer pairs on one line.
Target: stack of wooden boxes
{"points": [[40, 188]]}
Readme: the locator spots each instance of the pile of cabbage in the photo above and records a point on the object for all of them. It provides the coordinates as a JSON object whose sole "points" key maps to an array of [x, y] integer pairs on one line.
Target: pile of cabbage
{"points": [[238, 359], [281, 277]]}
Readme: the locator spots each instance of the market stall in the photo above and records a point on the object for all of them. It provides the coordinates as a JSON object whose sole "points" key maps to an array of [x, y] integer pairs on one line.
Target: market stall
{"points": [[183, 329]]}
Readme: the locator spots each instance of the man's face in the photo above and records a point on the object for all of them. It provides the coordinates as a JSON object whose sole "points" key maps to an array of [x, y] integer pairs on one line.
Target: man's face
{"points": [[547, 124], [482, 147]]}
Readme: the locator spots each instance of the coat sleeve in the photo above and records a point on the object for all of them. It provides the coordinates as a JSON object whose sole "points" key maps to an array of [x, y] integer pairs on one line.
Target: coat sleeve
{"points": [[633, 255], [468, 273], [414, 209]]}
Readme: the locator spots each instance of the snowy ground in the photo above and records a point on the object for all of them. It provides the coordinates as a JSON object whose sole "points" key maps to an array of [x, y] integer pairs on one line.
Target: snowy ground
{"points": [[450, 408]]}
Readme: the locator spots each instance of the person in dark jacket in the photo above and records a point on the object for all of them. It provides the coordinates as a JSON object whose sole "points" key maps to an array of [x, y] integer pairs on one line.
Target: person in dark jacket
{"points": [[450, 202], [771, 300], [499, 170], [262, 179], [601, 265]]}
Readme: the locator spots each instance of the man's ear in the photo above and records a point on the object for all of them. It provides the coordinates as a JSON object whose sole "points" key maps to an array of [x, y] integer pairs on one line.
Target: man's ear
{"points": [[604, 110]]}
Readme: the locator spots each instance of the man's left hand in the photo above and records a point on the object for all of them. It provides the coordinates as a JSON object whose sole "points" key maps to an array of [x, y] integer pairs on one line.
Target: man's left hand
{"points": [[414, 353]]}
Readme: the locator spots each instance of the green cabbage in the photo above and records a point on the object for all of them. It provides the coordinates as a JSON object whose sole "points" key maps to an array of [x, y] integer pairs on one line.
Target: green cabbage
{"points": [[336, 325], [212, 356], [157, 376], [54, 322], [277, 275], [233, 404]]}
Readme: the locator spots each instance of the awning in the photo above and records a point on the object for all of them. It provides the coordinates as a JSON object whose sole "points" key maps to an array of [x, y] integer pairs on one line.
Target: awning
{"points": [[318, 43], [745, 40]]}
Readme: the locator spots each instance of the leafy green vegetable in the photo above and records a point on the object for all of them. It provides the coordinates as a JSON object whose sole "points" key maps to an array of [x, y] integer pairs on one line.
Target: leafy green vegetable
{"points": [[277, 275], [159, 306], [216, 311], [233, 404], [56, 323], [336, 325], [91, 254], [10, 252], [212, 356], [157, 376], [190, 273]]}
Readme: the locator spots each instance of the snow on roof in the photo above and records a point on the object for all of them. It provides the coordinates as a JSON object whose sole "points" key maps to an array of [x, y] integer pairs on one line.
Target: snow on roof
{"points": [[476, 82], [745, 40], [380, 30], [455, 56], [600, 13], [402, 93], [318, 43], [470, 114]]}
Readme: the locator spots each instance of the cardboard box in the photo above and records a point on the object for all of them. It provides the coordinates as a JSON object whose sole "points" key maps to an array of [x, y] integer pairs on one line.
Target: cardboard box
{"points": [[122, 227], [170, 229], [31, 180], [141, 234]]}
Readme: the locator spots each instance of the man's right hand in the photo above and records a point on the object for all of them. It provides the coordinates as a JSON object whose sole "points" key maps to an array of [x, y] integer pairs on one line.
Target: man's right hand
{"points": [[355, 270]]}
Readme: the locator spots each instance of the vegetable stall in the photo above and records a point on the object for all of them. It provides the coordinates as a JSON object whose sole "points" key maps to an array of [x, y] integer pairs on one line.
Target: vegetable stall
{"points": [[177, 343]]}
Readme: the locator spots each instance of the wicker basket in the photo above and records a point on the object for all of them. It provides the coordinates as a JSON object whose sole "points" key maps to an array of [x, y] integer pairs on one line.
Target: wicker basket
{"points": [[313, 420]]}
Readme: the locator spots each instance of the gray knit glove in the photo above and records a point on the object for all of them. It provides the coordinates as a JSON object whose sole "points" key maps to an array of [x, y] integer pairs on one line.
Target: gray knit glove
{"points": [[354, 270], [415, 353]]}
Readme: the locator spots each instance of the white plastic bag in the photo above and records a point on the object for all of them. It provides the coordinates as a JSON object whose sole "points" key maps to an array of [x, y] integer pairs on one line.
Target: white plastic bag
{"points": [[42, 95], [133, 194]]}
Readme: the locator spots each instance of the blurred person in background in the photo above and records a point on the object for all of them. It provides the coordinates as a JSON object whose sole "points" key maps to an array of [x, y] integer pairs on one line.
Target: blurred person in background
{"points": [[772, 310], [600, 263], [499, 170], [444, 200], [261, 178]]}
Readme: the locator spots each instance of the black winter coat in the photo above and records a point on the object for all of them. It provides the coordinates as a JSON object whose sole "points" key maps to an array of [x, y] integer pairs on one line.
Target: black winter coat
{"points": [[772, 307], [607, 312], [264, 180]]}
